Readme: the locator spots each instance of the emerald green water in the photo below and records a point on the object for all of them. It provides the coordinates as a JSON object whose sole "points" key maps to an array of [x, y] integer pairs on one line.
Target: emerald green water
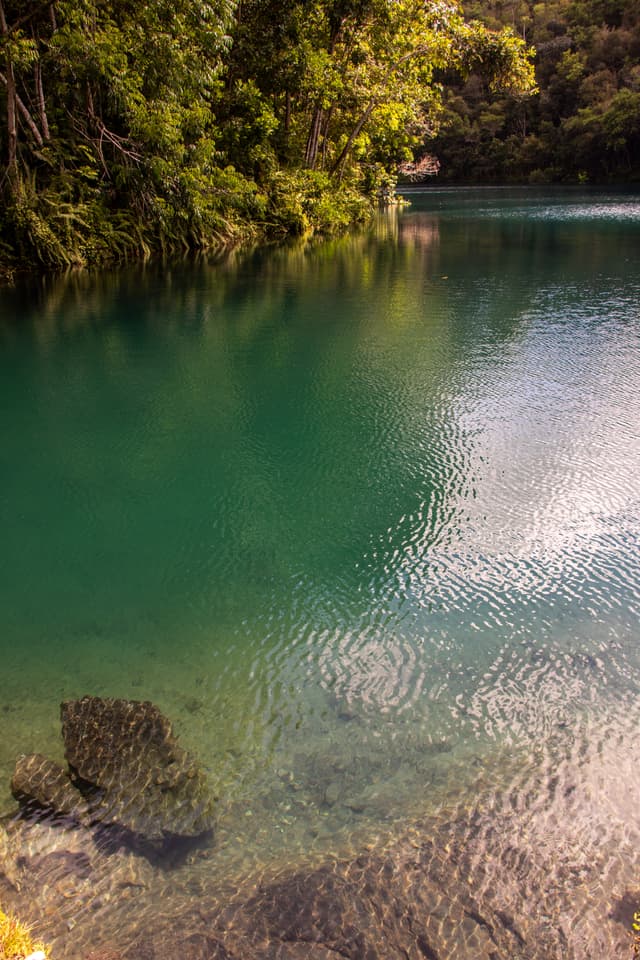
{"points": [[360, 517]]}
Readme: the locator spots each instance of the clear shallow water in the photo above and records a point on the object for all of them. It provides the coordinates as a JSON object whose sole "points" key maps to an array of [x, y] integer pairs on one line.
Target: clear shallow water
{"points": [[362, 518]]}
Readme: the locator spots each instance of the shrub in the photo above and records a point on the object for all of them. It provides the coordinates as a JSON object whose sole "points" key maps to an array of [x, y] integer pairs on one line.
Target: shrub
{"points": [[16, 942]]}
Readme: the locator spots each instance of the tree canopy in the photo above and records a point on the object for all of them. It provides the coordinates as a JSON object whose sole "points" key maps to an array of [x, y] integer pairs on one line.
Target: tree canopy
{"points": [[129, 128], [583, 126]]}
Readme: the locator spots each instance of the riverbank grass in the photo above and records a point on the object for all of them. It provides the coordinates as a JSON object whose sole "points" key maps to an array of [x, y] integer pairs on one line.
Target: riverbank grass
{"points": [[16, 941]]}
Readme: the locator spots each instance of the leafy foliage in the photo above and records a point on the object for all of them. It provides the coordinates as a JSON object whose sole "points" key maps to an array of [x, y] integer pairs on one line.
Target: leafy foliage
{"points": [[585, 123], [354, 83], [130, 129]]}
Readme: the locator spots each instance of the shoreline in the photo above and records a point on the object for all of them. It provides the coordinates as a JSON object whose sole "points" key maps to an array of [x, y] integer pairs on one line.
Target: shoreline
{"points": [[482, 880]]}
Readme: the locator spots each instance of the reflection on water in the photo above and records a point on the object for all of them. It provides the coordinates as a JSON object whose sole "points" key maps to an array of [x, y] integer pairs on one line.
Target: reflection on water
{"points": [[362, 518]]}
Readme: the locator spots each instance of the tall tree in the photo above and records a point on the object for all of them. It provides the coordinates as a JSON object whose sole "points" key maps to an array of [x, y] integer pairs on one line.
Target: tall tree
{"points": [[356, 78], [128, 127]]}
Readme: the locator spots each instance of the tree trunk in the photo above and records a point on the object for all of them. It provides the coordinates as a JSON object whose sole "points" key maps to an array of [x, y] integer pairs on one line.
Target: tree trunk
{"points": [[12, 126], [311, 152], [325, 135], [42, 110], [339, 164], [24, 111]]}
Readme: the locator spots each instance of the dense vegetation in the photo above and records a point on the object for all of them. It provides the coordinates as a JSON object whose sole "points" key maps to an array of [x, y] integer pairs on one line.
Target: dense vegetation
{"points": [[132, 128], [584, 124]]}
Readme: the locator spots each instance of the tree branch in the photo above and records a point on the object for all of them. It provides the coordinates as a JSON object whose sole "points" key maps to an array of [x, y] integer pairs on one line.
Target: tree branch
{"points": [[352, 136], [24, 110], [42, 107]]}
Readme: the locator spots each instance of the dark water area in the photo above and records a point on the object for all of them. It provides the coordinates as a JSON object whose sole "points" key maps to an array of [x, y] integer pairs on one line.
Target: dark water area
{"points": [[362, 518]]}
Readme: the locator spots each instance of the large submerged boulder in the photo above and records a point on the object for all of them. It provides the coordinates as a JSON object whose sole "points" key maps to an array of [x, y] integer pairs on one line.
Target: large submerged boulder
{"points": [[125, 768], [146, 781]]}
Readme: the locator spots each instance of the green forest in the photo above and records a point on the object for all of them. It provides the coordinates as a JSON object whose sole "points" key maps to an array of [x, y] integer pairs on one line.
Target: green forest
{"points": [[129, 130], [583, 125]]}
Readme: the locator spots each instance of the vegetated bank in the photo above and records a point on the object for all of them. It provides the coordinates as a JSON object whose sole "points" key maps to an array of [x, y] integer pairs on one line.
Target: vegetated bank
{"points": [[128, 131]]}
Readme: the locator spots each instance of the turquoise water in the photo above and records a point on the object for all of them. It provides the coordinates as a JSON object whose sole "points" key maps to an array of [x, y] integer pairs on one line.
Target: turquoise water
{"points": [[361, 517]]}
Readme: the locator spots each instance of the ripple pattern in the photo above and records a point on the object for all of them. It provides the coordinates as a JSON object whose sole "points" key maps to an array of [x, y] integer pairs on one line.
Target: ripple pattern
{"points": [[366, 526]]}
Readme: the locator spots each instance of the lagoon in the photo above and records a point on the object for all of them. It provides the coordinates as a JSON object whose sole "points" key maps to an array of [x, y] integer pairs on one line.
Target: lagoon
{"points": [[362, 517]]}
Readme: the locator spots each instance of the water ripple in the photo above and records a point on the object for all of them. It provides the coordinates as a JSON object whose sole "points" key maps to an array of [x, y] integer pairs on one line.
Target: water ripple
{"points": [[367, 526]]}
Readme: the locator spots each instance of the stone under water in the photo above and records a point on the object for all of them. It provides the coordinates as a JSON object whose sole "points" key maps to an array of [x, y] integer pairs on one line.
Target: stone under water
{"points": [[36, 779], [440, 891], [125, 768]]}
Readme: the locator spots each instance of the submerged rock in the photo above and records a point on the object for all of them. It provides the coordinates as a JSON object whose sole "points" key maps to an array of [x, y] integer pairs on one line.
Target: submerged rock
{"points": [[147, 782], [8, 866], [39, 780], [126, 768]]}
